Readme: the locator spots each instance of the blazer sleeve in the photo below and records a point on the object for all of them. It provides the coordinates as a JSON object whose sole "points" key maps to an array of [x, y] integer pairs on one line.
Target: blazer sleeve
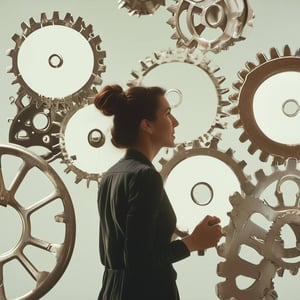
{"points": [[146, 191]]}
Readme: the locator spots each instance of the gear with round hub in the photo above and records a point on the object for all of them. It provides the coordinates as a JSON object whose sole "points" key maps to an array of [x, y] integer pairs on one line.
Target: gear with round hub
{"points": [[189, 58], [141, 7], [227, 20], [50, 44], [52, 195], [252, 101]]}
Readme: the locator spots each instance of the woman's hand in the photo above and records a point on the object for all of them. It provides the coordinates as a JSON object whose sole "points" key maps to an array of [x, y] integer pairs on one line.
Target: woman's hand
{"points": [[205, 235]]}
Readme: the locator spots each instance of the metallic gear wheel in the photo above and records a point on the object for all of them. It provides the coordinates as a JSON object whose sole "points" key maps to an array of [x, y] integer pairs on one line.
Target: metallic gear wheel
{"points": [[242, 231], [85, 143], [286, 211], [198, 60], [61, 251], [227, 19], [195, 150], [54, 58], [141, 7], [251, 79], [35, 127]]}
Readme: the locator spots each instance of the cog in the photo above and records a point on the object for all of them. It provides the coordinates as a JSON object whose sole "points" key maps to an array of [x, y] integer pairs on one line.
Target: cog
{"points": [[198, 60], [35, 126], [85, 147], [183, 153], [141, 7], [10, 198], [233, 19], [54, 58], [287, 213], [243, 231], [252, 78]]}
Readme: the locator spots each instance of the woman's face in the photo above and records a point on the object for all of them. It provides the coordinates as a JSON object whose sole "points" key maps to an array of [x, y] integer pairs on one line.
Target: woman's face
{"points": [[164, 125]]}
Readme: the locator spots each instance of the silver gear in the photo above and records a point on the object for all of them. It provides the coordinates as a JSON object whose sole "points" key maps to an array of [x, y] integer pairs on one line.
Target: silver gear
{"points": [[26, 129], [285, 214], [250, 79], [62, 251], [194, 149], [141, 7], [198, 60], [86, 32], [233, 19], [242, 231], [94, 139]]}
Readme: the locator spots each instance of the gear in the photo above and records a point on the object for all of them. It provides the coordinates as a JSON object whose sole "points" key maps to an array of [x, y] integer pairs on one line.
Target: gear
{"points": [[251, 79], [198, 60], [243, 231], [141, 7], [183, 153], [54, 58], [62, 249], [35, 126], [233, 19], [84, 148], [285, 214]]}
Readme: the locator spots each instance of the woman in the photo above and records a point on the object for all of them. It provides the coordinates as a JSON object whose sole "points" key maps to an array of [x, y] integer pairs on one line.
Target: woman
{"points": [[136, 217]]}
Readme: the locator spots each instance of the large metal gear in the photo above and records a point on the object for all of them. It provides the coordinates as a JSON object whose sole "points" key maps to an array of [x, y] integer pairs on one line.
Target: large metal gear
{"points": [[183, 153], [11, 198], [35, 127], [85, 143], [141, 7], [232, 18], [49, 47], [198, 60], [251, 79], [242, 231]]}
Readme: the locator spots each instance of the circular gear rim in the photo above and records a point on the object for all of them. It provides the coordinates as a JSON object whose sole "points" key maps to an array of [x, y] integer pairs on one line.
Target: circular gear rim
{"points": [[194, 58], [63, 251], [242, 22], [78, 25], [250, 79]]}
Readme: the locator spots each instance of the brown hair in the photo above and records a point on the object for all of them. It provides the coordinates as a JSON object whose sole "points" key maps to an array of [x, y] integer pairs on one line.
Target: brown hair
{"points": [[128, 108]]}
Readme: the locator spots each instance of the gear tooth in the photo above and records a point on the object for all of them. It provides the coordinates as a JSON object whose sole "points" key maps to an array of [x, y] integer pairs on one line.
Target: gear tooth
{"points": [[244, 137], [163, 161], [9, 69], [237, 85], [287, 50], [16, 38], [135, 74], [222, 91], [243, 74], [234, 97], [229, 152], [261, 58], [122, 4], [242, 164], [264, 156], [297, 53], [144, 65], [97, 80], [280, 272], [260, 175], [196, 144], [175, 36], [172, 22], [252, 148], [68, 18], [250, 66], [67, 170], [78, 179], [274, 53], [221, 79], [294, 271], [172, 8], [238, 123], [77, 24]]}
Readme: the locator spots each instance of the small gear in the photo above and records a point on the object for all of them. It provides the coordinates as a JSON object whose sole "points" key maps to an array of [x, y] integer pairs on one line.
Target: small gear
{"points": [[141, 7], [35, 127], [251, 79], [194, 58], [286, 213], [61, 250], [233, 19], [85, 143], [49, 47], [243, 231], [196, 189]]}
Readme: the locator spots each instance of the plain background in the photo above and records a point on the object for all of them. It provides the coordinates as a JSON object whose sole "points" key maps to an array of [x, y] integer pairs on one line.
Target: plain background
{"points": [[127, 40]]}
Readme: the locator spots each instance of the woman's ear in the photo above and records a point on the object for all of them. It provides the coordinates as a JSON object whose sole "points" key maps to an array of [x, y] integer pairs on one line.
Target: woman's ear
{"points": [[146, 126]]}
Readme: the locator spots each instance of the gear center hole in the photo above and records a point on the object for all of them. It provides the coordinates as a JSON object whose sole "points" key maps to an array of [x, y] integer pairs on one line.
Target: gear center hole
{"points": [[214, 15], [290, 108], [202, 193]]}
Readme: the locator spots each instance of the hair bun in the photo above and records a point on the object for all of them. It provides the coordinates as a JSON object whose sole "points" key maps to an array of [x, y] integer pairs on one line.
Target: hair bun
{"points": [[110, 99]]}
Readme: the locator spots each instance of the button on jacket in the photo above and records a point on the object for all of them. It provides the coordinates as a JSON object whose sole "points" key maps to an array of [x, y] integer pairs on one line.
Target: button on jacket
{"points": [[136, 225]]}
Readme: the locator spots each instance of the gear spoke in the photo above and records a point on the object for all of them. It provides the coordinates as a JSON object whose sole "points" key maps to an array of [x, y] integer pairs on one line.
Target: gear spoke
{"points": [[25, 167], [53, 196]]}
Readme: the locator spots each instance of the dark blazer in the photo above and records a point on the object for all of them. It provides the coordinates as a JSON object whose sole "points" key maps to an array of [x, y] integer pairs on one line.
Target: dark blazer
{"points": [[136, 225]]}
